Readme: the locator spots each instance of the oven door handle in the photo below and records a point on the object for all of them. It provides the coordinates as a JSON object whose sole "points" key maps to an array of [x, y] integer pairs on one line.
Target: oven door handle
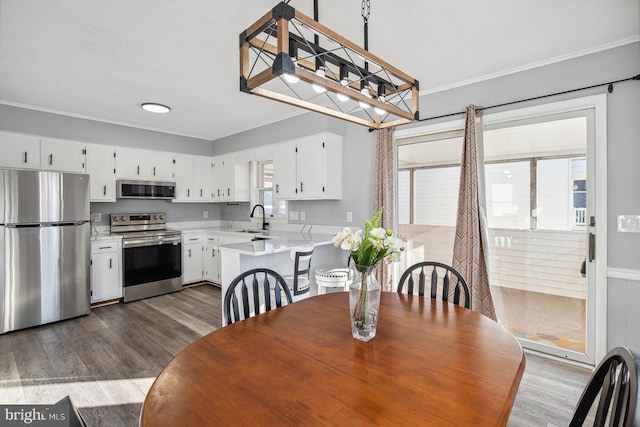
{"points": [[135, 243]]}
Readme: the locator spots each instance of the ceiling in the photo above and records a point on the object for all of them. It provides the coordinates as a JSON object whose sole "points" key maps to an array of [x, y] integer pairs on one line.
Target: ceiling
{"points": [[101, 59]]}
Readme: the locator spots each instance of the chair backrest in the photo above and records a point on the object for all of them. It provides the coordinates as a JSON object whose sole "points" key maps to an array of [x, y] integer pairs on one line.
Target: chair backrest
{"points": [[439, 273], [615, 380], [301, 257], [264, 292]]}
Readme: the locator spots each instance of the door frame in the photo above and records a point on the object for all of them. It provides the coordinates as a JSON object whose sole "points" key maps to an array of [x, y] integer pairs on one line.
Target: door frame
{"points": [[596, 150]]}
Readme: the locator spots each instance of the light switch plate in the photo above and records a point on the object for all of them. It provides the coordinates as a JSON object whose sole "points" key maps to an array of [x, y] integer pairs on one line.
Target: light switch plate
{"points": [[629, 223]]}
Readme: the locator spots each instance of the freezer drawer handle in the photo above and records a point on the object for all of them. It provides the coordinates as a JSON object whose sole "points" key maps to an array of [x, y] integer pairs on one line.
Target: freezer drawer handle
{"points": [[110, 263]]}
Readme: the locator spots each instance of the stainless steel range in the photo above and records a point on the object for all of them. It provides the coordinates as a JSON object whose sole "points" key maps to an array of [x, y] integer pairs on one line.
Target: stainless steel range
{"points": [[152, 255]]}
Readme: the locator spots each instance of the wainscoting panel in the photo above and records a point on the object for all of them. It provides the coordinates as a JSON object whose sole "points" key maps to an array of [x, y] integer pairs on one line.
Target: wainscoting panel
{"points": [[623, 315]]}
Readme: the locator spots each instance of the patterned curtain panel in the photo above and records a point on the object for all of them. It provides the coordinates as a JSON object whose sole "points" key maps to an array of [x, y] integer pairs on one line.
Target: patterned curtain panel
{"points": [[383, 192], [470, 250]]}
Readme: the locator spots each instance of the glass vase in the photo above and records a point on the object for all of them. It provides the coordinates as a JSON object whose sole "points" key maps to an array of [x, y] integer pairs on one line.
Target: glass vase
{"points": [[364, 302]]}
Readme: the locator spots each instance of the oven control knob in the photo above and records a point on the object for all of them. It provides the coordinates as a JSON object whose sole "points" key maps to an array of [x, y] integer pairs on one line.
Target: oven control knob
{"points": [[122, 218], [162, 217], [115, 219], [155, 217]]}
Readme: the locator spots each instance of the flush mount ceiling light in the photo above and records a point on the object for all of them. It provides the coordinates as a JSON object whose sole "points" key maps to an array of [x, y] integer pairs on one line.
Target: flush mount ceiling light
{"points": [[291, 58], [152, 107]]}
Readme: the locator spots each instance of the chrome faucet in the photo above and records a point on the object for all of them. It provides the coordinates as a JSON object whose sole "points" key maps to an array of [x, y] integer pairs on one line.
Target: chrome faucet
{"points": [[264, 220]]}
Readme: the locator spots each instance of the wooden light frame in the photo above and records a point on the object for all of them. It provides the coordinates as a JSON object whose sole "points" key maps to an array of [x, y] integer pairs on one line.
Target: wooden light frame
{"points": [[270, 48]]}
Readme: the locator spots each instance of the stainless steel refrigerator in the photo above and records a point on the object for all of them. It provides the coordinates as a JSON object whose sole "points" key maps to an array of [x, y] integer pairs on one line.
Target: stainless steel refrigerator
{"points": [[44, 247]]}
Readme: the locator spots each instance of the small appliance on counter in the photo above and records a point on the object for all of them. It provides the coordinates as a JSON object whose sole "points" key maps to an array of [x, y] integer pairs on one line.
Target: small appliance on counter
{"points": [[44, 247], [152, 255]]}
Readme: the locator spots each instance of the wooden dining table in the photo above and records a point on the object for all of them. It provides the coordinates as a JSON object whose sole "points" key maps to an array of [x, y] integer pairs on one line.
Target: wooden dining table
{"points": [[431, 363]]}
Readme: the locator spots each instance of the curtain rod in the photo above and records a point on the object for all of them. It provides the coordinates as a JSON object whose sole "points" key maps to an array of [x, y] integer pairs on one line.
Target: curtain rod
{"points": [[608, 84]]}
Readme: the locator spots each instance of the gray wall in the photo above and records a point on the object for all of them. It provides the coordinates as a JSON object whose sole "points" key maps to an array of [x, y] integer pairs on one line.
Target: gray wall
{"points": [[358, 148], [359, 145], [51, 125]]}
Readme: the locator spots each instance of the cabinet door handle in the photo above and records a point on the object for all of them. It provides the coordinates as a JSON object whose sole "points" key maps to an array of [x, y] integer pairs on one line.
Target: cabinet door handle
{"points": [[213, 253], [104, 191], [138, 170], [195, 238], [25, 156], [218, 192], [50, 159], [110, 263], [188, 193], [201, 192], [277, 188], [104, 247], [228, 191], [154, 171], [301, 187], [189, 253]]}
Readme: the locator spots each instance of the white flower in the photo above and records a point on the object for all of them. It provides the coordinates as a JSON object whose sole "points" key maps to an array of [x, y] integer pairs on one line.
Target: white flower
{"points": [[378, 233], [395, 243]]}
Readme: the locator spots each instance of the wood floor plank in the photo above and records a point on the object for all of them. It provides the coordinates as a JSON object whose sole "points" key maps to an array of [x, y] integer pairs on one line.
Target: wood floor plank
{"points": [[107, 360]]}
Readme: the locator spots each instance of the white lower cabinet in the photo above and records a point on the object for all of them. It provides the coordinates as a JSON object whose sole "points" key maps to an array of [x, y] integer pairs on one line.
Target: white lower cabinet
{"points": [[212, 258], [106, 261], [192, 254]]}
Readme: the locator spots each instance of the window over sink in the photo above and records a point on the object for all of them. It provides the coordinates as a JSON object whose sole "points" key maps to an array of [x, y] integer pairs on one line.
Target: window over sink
{"points": [[276, 209]]}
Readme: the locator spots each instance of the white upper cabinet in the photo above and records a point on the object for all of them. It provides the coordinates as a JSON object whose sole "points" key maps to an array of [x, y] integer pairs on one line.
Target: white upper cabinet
{"points": [[101, 167], [202, 173], [230, 181], [19, 151], [193, 178], [308, 168], [65, 156], [134, 163]]}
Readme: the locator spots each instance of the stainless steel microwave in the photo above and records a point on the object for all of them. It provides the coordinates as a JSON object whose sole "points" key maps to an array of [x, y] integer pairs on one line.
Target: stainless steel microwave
{"points": [[135, 189]]}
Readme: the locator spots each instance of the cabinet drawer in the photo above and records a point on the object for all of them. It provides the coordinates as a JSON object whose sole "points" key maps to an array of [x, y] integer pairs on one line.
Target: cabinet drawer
{"points": [[102, 247], [191, 238]]}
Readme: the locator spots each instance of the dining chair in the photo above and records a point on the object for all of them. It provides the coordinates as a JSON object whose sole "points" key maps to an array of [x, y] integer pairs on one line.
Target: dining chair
{"points": [[261, 290], [441, 274], [615, 381], [298, 282], [75, 419]]}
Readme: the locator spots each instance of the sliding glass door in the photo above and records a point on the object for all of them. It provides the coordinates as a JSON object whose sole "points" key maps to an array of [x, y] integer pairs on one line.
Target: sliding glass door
{"points": [[539, 205]]}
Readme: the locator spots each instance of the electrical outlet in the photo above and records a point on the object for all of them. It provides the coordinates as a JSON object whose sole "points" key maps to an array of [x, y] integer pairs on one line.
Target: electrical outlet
{"points": [[97, 218], [205, 214], [301, 216], [349, 216], [293, 215]]}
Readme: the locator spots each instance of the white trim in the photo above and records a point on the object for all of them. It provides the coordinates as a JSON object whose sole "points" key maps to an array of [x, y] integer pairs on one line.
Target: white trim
{"points": [[533, 65], [624, 274]]}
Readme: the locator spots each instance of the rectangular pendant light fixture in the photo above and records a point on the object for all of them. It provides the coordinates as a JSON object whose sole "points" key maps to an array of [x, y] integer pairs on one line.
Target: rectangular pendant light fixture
{"points": [[291, 58]]}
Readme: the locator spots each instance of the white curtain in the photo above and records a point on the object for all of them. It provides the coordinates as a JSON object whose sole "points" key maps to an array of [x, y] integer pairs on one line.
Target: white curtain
{"points": [[383, 192], [470, 251]]}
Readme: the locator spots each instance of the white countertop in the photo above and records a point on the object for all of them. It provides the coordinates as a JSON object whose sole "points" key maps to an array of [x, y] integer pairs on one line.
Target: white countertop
{"points": [[277, 245]]}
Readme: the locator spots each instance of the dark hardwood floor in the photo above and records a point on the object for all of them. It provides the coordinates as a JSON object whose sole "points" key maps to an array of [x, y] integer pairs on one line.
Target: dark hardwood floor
{"points": [[106, 361]]}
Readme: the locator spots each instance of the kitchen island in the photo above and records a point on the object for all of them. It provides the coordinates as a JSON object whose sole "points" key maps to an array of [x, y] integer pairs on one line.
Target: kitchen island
{"points": [[275, 253]]}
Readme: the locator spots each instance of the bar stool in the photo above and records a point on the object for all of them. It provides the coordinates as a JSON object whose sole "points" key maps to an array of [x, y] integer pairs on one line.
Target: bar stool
{"points": [[331, 276], [298, 282]]}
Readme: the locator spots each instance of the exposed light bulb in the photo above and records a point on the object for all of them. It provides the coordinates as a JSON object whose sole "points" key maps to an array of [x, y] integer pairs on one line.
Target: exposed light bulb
{"points": [[342, 97], [292, 78], [318, 88], [366, 93], [379, 110]]}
